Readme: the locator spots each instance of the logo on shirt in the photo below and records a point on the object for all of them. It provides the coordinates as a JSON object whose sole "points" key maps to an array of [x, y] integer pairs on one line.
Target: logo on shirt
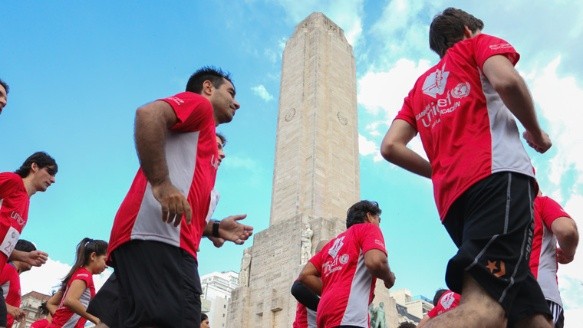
{"points": [[176, 100], [446, 101], [18, 218], [447, 300], [332, 266]]}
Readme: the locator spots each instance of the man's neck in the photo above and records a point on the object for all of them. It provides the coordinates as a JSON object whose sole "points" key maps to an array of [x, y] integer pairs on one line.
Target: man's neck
{"points": [[30, 189]]}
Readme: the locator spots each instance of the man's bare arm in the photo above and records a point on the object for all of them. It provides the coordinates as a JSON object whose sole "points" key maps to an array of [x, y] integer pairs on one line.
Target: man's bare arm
{"points": [[513, 91], [565, 230], [394, 149], [151, 127]]}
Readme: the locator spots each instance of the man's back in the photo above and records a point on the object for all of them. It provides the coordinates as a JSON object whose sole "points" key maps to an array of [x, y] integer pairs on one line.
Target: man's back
{"points": [[347, 285], [466, 130]]}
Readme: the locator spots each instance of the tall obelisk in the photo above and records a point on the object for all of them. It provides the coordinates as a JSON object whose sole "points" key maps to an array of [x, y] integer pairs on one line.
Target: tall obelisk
{"points": [[316, 176]]}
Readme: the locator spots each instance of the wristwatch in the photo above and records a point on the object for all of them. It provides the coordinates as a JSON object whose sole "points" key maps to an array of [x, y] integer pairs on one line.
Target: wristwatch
{"points": [[216, 224]]}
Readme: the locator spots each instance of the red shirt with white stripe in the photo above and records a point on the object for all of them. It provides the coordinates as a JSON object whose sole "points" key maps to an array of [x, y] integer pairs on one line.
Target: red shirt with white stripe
{"points": [[347, 286], [14, 202], [447, 301], [10, 282], [305, 318], [543, 256], [466, 130], [66, 318], [192, 157]]}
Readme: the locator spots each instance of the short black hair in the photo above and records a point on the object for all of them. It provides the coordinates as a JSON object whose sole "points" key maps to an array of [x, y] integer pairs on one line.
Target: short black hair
{"points": [[41, 159], [357, 212], [407, 324], [447, 29], [203, 317], [438, 295], [5, 85], [207, 73], [24, 246], [222, 137]]}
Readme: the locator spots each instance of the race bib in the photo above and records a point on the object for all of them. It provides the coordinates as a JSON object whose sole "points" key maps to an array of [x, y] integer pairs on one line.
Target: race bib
{"points": [[213, 204], [9, 241]]}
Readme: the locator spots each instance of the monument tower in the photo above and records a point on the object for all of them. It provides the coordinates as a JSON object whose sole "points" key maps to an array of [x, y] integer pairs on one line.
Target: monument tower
{"points": [[316, 175]]}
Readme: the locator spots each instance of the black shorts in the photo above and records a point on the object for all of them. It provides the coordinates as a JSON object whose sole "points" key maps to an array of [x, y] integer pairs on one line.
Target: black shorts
{"points": [[492, 225], [104, 304], [159, 285], [558, 315], [3, 309]]}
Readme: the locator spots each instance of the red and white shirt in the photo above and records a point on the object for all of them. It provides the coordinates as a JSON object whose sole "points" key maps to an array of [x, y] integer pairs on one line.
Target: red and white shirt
{"points": [[14, 202], [543, 256], [10, 283], [347, 286], [192, 157], [446, 302], [466, 130], [305, 318], [66, 318]]}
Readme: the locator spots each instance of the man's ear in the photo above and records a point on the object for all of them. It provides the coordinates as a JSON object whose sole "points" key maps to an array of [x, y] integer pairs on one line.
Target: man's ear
{"points": [[207, 87], [34, 167], [468, 34], [369, 217]]}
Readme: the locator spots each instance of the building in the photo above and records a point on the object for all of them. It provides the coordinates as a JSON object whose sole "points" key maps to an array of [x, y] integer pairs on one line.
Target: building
{"points": [[30, 304], [216, 294], [316, 175], [411, 308]]}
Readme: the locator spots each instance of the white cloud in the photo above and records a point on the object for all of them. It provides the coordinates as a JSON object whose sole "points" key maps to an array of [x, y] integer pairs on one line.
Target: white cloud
{"points": [[47, 278], [383, 91], [262, 92], [368, 147]]}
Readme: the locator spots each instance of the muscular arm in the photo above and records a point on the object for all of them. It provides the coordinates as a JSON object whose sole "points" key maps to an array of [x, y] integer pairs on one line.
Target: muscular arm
{"points": [[310, 277], [72, 301], [378, 265], [151, 127], [515, 95], [394, 149], [565, 230]]}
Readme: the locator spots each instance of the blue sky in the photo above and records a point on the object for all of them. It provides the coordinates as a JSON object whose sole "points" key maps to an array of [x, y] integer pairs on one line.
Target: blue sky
{"points": [[78, 71]]}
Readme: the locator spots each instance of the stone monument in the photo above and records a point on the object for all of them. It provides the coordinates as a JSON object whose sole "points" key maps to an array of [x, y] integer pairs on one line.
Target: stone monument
{"points": [[316, 176]]}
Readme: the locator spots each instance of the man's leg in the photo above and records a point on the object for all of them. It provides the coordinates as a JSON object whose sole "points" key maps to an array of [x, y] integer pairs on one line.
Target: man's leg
{"points": [[476, 309]]}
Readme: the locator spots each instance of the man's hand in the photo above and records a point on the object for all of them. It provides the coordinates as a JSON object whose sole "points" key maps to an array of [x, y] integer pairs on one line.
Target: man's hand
{"points": [[173, 202], [564, 258], [391, 282], [218, 242], [36, 258], [540, 143], [230, 229], [15, 312]]}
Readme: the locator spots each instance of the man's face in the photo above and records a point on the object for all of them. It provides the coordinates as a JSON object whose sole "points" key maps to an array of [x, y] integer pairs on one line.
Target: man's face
{"points": [[43, 178], [224, 103], [3, 98], [221, 150]]}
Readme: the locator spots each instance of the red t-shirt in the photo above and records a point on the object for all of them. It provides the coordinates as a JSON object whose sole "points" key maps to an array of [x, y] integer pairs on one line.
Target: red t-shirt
{"points": [[14, 202], [466, 130], [543, 256], [42, 323], [347, 286], [192, 157], [10, 283], [64, 316], [305, 318], [447, 301]]}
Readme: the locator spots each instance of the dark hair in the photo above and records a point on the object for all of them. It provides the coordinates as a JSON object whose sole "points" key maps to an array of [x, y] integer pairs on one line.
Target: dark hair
{"points": [[84, 250], [447, 29], [207, 73], [438, 295], [41, 159], [357, 212], [44, 310], [222, 137], [5, 85], [203, 317], [407, 324], [24, 246]]}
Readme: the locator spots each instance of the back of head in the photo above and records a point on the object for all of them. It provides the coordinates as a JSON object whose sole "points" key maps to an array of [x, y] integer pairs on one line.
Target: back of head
{"points": [[407, 325], [447, 29], [5, 85], [357, 212], [207, 73], [438, 295], [24, 246], [203, 317], [41, 159]]}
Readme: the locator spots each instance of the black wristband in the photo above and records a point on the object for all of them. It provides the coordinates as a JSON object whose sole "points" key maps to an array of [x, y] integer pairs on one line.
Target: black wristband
{"points": [[216, 224]]}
